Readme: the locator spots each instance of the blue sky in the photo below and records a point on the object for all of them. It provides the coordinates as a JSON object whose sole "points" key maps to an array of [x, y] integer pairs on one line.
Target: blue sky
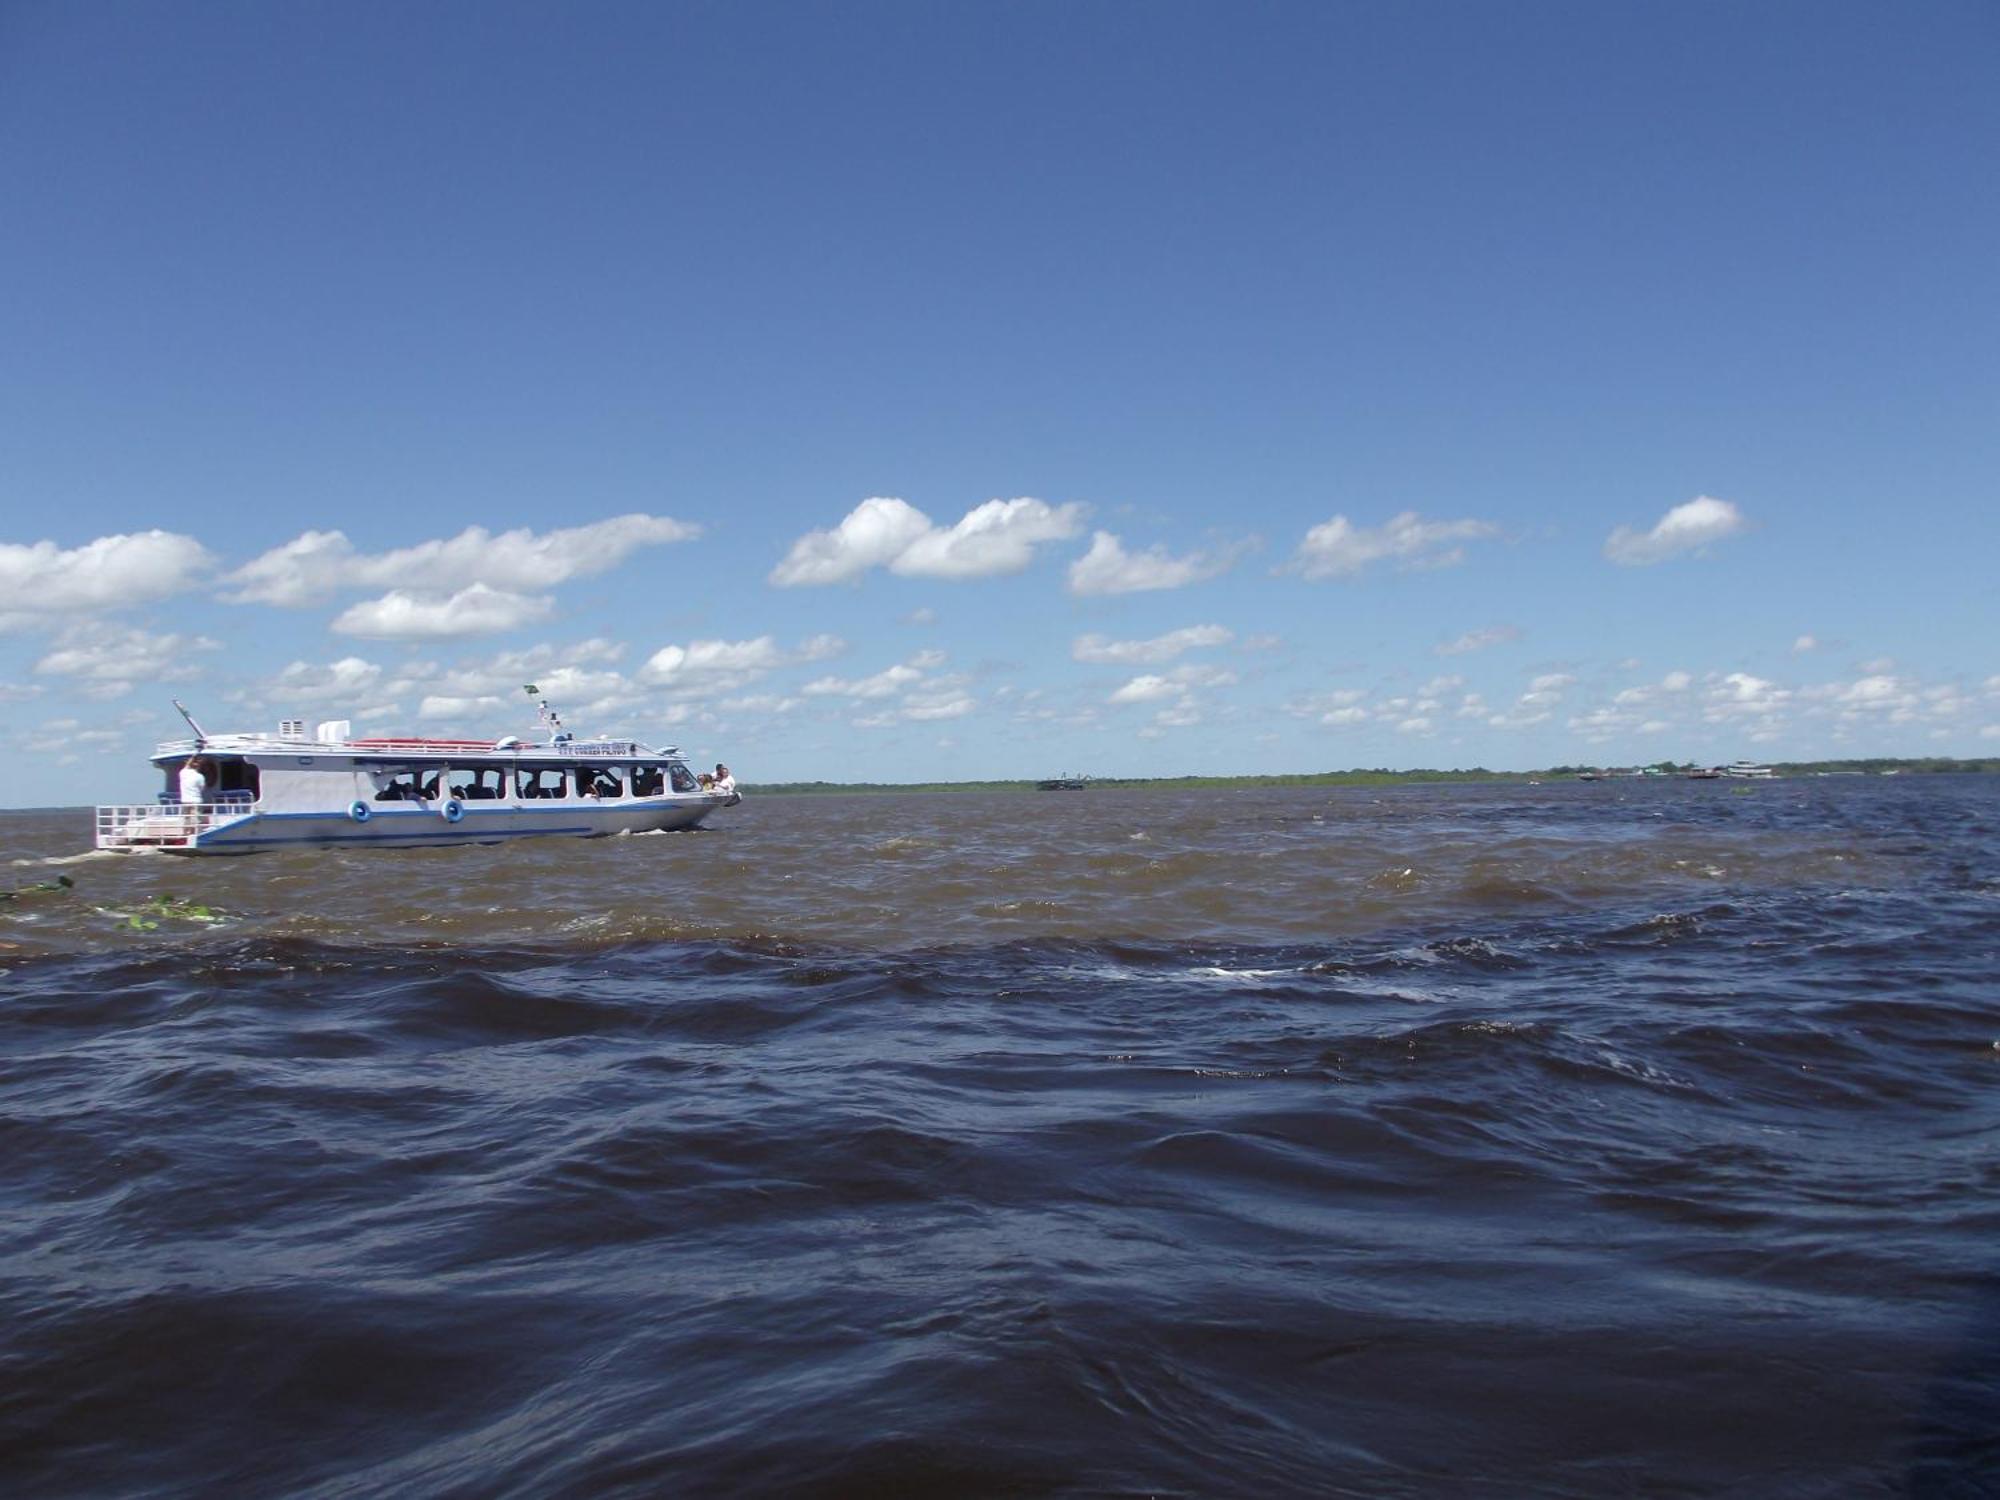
{"points": [[923, 392]]}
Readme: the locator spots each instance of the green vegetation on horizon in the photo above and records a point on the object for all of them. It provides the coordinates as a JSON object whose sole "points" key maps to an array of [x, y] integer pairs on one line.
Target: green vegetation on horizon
{"points": [[1377, 777]]}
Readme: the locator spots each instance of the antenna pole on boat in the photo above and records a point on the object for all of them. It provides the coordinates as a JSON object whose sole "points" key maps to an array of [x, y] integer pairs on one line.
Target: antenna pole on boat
{"points": [[557, 734], [200, 739]]}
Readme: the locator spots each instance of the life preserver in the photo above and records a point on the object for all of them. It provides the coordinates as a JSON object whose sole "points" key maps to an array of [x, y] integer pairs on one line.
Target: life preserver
{"points": [[454, 810], [359, 811]]}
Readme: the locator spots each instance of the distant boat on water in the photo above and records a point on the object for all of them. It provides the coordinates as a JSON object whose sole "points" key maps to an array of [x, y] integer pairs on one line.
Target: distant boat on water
{"points": [[1746, 770], [1064, 783]]}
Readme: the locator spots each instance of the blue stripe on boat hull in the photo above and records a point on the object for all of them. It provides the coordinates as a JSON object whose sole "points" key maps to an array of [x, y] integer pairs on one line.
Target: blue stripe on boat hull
{"points": [[474, 828]]}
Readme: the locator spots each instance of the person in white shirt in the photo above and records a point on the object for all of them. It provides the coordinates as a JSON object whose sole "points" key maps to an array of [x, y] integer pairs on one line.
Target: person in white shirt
{"points": [[193, 791], [724, 782]]}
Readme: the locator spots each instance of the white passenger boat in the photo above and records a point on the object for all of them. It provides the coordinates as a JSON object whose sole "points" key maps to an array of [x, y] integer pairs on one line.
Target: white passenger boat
{"points": [[269, 791], [1748, 770]]}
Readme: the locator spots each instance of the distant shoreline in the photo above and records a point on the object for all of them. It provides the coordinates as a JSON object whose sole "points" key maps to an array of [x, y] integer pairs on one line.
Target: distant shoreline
{"points": [[1784, 769]]}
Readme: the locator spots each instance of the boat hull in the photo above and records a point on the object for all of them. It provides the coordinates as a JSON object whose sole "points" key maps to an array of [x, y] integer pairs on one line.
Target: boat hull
{"points": [[421, 828]]}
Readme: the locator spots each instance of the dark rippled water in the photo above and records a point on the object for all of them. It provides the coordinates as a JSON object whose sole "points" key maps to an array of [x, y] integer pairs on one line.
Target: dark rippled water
{"points": [[1572, 1140]]}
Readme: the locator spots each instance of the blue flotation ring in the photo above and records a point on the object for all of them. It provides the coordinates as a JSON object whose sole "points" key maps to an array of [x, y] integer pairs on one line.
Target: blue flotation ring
{"points": [[359, 811], [454, 810]]}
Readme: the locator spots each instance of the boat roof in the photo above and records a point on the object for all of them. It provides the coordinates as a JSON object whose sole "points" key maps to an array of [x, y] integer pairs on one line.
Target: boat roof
{"points": [[393, 748]]}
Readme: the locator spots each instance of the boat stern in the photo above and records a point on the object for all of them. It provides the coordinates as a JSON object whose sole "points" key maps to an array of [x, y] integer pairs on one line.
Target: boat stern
{"points": [[178, 827]]}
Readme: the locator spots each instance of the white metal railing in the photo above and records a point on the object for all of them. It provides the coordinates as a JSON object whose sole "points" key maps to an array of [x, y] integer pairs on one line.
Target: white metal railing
{"points": [[413, 748], [162, 825]]}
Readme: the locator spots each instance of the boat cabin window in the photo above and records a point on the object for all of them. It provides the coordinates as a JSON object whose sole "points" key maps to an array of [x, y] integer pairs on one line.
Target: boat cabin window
{"points": [[542, 781], [599, 782], [231, 779], [407, 786], [479, 786], [683, 778], [648, 781]]}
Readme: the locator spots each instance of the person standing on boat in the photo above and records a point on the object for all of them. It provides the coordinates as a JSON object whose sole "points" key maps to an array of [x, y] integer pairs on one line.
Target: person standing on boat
{"points": [[193, 783], [724, 782]]}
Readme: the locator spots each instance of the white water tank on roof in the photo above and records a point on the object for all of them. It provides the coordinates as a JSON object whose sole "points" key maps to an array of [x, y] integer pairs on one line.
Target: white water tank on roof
{"points": [[334, 731]]}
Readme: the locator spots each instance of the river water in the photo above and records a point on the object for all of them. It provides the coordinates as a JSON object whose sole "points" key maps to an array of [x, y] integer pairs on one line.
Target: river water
{"points": [[1627, 1138]]}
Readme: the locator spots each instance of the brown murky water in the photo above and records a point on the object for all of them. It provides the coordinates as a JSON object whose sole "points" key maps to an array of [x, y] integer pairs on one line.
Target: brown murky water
{"points": [[1571, 1140]]}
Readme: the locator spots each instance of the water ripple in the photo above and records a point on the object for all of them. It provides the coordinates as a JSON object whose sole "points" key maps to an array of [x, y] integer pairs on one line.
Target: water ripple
{"points": [[1562, 1141]]}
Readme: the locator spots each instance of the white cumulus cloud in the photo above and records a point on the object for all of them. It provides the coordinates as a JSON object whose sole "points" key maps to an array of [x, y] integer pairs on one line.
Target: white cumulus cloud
{"points": [[997, 537], [345, 681], [1197, 674], [1685, 528], [884, 684], [1159, 648], [1873, 690], [703, 663], [318, 564], [695, 670], [1741, 687], [908, 690], [579, 678], [459, 707], [478, 610], [1146, 689], [1178, 692], [883, 532], [1337, 706], [872, 535], [108, 661], [40, 579], [1479, 640], [941, 700], [1756, 703], [1107, 568], [1337, 548], [1535, 705]]}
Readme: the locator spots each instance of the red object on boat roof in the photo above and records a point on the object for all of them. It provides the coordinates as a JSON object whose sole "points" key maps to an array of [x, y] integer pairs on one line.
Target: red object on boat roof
{"points": [[411, 744]]}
